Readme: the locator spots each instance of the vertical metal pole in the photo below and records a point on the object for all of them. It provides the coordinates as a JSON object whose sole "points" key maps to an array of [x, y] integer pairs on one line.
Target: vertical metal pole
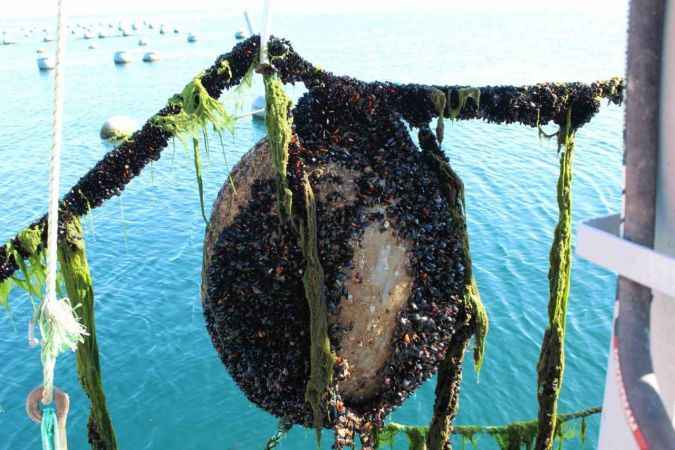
{"points": [[638, 391], [663, 307]]}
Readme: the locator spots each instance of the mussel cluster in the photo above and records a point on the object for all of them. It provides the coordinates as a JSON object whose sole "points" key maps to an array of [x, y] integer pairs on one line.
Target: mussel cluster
{"points": [[366, 172]]}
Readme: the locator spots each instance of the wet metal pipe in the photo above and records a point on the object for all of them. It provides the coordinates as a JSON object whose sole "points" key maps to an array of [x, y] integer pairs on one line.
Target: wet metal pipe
{"points": [[647, 416]]}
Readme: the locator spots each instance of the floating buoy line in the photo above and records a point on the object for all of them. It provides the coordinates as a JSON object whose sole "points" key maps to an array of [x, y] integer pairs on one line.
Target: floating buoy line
{"points": [[296, 237]]}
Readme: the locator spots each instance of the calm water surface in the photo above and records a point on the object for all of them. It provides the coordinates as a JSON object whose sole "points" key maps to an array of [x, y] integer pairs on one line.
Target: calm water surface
{"points": [[166, 386]]}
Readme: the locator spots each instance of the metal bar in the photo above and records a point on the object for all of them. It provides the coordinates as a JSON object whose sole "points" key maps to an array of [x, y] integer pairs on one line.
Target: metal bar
{"points": [[598, 241]]}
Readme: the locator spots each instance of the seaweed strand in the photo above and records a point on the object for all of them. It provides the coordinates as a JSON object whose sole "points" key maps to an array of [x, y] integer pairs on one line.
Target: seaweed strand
{"points": [[512, 436], [551, 365], [475, 322], [198, 174], [279, 131], [322, 359], [78, 282]]}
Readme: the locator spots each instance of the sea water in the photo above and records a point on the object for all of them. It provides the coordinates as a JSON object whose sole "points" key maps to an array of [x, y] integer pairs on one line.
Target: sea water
{"points": [[165, 385]]}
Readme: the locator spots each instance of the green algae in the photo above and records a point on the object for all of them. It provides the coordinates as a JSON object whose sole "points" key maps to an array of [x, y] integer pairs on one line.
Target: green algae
{"points": [[322, 359], [198, 174], [196, 111], [416, 435], [513, 436], [551, 365], [32, 276], [279, 133], [475, 322], [78, 283], [480, 324], [448, 383], [439, 100], [463, 94]]}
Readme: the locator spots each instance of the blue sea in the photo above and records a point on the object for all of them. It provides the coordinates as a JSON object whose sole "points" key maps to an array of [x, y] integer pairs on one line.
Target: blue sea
{"points": [[165, 384]]}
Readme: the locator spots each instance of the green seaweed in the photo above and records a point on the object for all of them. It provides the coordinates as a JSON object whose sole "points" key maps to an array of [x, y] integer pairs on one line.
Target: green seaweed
{"points": [[439, 100], [417, 435], [448, 383], [551, 365], [78, 282], [279, 132], [6, 287], [197, 110], [480, 325], [464, 94], [32, 275], [322, 359], [198, 174], [513, 436], [475, 321]]}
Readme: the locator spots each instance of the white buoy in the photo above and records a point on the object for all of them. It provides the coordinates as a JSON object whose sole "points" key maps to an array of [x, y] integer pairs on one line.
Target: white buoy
{"points": [[162, 30], [239, 34], [151, 57], [142, 43], [258, 108], [46, 63], [191, 38], [122, 57], [118, 128]]}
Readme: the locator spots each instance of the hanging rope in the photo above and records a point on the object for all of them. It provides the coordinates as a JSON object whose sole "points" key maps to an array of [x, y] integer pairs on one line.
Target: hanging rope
{"points": [[49, 430], [59, 328]]}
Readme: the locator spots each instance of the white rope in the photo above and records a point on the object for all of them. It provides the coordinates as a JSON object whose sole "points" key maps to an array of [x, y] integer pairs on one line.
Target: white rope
{"points": [[54, 177], [59, 327], [265, 33], [55, 162]]}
